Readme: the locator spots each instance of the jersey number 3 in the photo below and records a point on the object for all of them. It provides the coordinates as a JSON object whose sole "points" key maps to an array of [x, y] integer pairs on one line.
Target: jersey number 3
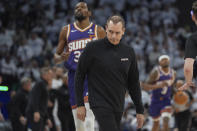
{"points": [[164, 90], [77, 55]]}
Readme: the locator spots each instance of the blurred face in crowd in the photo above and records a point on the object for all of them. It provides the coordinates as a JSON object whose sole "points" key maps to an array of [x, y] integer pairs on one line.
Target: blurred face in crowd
{"points": [[114, 32], [27, 85], [59, 73], [48, 76], [81, 11], [164, 63]]}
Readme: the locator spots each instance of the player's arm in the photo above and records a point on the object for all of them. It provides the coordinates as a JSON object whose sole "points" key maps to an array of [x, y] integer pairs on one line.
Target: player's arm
{"points": [[151, 79], [173, 78], [100, 32], [60, 55]]}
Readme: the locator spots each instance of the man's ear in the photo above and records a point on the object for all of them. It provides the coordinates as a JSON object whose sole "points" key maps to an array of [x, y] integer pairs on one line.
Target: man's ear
{"points": [[123, 30], [89, 13], [106, 27], [193, 18]]}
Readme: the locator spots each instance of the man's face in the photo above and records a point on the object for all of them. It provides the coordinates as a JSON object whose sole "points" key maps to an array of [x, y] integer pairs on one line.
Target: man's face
{"points": [[27, 86], [164, 63], [114, 32], [59, 72], [81, 11]]}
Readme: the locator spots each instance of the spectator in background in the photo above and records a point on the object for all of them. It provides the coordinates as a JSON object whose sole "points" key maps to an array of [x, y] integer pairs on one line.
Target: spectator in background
{"points": [[64, 109], [1, 115], [37, 113], [18, 106]]}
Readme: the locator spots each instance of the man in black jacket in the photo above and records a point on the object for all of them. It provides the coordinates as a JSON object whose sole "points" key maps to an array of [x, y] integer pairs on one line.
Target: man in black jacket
{"points": [[18, 105], [37, 114], [111, 68]]}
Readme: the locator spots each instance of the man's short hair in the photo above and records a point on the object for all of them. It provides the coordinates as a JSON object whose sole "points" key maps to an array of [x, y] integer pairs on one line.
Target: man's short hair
{"points": [[116, 19], [25, 80], [45, 70]]}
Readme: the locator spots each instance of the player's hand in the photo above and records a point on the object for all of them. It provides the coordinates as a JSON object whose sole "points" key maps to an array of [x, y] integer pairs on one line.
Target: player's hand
{"points": [[186, 86], [140, 120], [81, 113], [49, 123], [23, 120], [36, 116], [50, 103], [1, 117], [162, 84], [65, 56]]}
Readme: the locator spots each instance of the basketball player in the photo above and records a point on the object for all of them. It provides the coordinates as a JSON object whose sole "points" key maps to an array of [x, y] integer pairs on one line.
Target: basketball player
{"points": [[160, 82], [74, 38]]}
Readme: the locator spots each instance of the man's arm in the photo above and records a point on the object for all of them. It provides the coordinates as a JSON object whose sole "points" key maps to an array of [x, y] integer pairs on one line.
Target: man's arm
{"points": [[188, 69], [82, 67], [134, 85], [153, 76], [36, 96], [15, 111], [149, 85], [135, 90], [190, 55], [100, 32], [60, 55]]}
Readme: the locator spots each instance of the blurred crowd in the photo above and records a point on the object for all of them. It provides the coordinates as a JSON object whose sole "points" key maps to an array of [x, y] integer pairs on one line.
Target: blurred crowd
{"points": [[29, 35]]}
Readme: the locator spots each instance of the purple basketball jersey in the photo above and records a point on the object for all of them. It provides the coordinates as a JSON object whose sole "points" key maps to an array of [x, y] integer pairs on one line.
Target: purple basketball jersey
{"points": [[163, 93], [77, 40], [160, 101]]}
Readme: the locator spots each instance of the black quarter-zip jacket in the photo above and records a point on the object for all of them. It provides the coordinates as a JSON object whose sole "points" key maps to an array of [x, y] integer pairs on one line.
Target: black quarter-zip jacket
{"points": [[110, 69]]}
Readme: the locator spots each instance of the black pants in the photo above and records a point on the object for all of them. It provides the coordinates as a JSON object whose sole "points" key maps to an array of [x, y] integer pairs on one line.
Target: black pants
{"points": [[66, 118], [37, 126], [107, 120], [53, 122], [17, 126], [183, 120]]}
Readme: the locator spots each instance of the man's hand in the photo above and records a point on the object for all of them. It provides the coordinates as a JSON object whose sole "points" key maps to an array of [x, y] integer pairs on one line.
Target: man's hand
{"points": [[140, 120], [186, 86], [36, 116], [162, 84], [81, 113], [49, 123], [50, 103], [65, 56], [23, 120], [1, 117]]}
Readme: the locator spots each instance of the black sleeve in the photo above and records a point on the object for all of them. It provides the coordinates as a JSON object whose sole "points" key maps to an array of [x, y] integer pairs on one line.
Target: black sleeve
{"points": [[191, 48], [15, 111], [190, 95], [82, 67], [36, 96], [134, 85]]}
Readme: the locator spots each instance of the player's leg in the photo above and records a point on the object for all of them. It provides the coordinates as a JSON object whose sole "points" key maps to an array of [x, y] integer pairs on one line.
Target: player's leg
{"points": [[79, 125], [166, 115], [156, 125], [154, 111], [89, 120]]}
